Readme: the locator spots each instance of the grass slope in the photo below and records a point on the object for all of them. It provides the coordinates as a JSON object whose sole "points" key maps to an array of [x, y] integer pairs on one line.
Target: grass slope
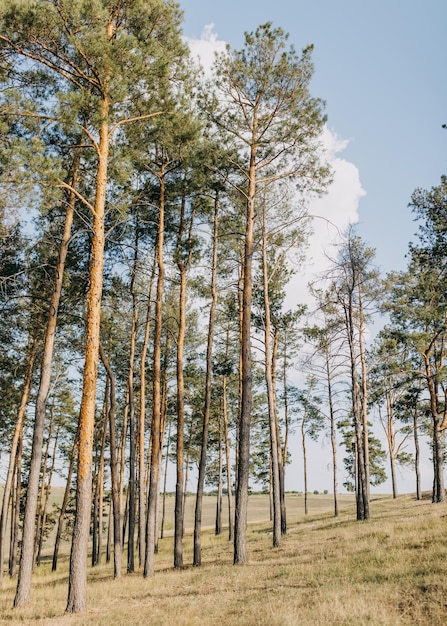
{"points": [[389, 570]]}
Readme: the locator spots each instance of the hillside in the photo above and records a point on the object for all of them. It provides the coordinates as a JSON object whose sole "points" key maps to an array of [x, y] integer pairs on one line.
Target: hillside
{"points": [[389, 570]]}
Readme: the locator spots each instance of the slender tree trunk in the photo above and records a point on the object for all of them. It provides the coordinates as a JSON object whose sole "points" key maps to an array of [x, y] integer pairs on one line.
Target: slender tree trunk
{"points": [[77, 583], [165, 480], [391, 439], [333, 433], [154, 476], [197, 560], [362, 499], [114, 470], [281, 462], [364, 405], [43, 480], [164, 414], [185, 489], [125, 517], [46, 498], [15, 517], [218, 524], [27, 554], [109, 531], [274, 444], [243, 461], [31, 356], [227, 451], [438, 456], [141, 424], [60, 524], [99, 486], [122, 467], [303, 444], [180, 461], [285, 447], [101, 494], [438, 493], [417, 453], [132, 424]]}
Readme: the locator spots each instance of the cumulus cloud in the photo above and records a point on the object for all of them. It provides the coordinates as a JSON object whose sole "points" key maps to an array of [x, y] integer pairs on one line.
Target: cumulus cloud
{"points": [[331, 214], [334, 211], [205, 48]]}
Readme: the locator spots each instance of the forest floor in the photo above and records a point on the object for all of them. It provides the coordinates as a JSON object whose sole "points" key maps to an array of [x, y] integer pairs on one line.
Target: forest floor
{"points": [[391, 569]]}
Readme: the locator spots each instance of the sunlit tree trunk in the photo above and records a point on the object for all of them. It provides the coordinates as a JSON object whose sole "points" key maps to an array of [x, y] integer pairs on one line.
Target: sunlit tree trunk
{"points": [[77, 583]]}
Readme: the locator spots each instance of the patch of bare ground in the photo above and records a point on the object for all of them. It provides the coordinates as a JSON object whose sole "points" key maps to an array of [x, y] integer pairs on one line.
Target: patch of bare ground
{"points": [[389, 570]]}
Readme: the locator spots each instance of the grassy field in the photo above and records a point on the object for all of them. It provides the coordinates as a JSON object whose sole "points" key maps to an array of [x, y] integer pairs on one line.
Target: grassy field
{"points": [[389, 570]]}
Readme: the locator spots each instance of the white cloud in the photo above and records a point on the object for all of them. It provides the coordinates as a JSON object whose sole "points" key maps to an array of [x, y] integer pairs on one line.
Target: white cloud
{"points": [[331, 214], [205, 48]]}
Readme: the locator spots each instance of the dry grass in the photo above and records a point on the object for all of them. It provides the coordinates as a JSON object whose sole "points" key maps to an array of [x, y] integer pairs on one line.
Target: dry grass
{"points": [[389, 570]]}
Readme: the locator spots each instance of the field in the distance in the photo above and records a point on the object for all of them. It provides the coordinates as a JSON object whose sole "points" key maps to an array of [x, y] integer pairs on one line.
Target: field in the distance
{"points": [[389, 570]]}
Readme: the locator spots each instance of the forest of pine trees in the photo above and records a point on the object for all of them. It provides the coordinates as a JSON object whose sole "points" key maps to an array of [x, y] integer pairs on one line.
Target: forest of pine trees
{"points": [[151, 221]]}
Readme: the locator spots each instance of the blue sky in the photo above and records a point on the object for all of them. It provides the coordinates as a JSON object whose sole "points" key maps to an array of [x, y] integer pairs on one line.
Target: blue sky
{"points": [[381, 68]]}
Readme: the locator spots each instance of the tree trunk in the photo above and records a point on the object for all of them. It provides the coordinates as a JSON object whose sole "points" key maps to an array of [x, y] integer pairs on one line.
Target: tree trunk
{"points": [[109, 532], [274, 444], [141, 425], [180, 461], [218, 523], [60, 524], [364, 405], [286, 440], [165, 480], [114, 470], [154, 476], [243, 461], [99, 485], [26, 559], [362, 499], [416, 454], [303, 444], [132, 424], [208, 382], [15, 517], [32, 349], [227, 451], [333, 434], [47, 492], [77, 583], [438, 459], [281, 460]]}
